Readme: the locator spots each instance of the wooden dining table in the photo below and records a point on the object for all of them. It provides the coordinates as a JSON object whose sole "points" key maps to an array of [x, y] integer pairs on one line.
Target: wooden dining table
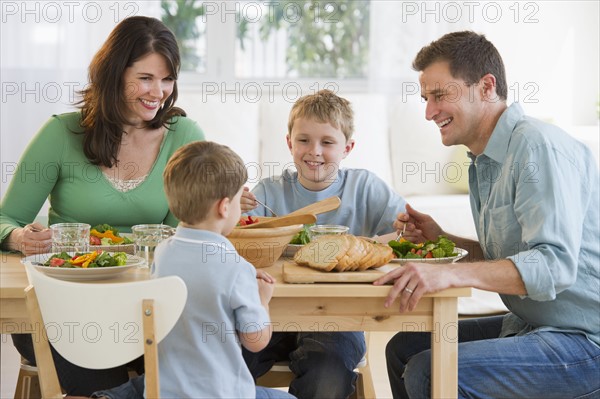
{"points": [[303, 307]]}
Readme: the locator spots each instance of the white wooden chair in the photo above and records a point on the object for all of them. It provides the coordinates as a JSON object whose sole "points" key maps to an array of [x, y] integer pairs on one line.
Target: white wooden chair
{"points": [[280, 375], [101, 325]]}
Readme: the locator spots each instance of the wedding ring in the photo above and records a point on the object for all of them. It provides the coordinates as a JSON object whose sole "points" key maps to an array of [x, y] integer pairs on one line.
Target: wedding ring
{"points": [[408, 290]]}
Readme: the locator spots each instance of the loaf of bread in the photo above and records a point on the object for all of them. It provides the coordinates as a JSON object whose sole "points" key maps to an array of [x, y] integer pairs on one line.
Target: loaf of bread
{"points": [[343, 253]]}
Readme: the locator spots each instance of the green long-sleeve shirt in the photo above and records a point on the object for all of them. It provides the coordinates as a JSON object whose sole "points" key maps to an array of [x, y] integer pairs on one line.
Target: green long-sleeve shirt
{"points": [[54, 166]]}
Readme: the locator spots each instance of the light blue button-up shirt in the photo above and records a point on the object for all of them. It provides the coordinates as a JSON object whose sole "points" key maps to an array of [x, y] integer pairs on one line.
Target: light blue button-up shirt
{"points": [[535, 200]]}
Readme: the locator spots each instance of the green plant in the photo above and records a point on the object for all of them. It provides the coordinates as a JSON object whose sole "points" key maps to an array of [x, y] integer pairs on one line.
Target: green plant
{"points": [[180, 16]]}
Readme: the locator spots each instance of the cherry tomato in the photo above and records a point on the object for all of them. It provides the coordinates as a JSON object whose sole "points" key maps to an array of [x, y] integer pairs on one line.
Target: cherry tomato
{"points": [[56, 262]]}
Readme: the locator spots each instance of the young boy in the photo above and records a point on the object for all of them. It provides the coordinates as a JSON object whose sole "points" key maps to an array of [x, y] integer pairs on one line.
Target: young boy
{"points": [[228, 299], [319, 137], [201, 357]]}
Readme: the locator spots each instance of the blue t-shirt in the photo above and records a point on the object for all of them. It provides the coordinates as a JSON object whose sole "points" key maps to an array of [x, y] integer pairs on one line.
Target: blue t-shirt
{"points": [[202, 357], [368, 205], [535, 200]]}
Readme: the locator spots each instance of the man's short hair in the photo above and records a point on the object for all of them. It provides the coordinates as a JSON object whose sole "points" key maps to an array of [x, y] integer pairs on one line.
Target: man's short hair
{"points": [[325, 107], [199, 174], [470, 55]]}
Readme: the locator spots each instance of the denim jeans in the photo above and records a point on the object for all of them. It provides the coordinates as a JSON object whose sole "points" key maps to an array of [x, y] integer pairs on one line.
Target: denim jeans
{"points": [[323, 362], [270, 393], [75, 380], [540, 364], [134, 389]]}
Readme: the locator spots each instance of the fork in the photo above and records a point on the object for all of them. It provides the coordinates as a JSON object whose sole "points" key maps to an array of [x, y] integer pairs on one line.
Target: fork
{"points": [[401, 233], [267, 208]]}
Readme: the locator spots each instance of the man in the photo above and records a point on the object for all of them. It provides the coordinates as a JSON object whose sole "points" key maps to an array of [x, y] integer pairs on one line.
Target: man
{"points": [[535, 202]]}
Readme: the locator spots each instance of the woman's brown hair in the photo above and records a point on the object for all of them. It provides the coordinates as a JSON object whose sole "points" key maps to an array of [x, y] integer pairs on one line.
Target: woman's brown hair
{"points": [[102, 105]]}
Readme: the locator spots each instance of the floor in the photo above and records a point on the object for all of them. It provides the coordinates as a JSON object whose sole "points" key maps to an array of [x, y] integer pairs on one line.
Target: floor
{"points": [[9, 367], [10, 361]]}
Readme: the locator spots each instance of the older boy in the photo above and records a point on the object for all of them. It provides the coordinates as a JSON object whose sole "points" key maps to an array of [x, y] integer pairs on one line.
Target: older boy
{"points": [[319, 137], [535, 201]]}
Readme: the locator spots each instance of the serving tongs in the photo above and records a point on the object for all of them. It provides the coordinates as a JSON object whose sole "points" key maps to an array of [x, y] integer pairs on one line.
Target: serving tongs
{"points": [[304, 215], [326, 205], [281, 221]]}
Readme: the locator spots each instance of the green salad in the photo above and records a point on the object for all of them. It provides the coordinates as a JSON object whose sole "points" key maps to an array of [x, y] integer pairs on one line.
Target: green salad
{"points": [[440, 248], [87, 260], [302, 237]]}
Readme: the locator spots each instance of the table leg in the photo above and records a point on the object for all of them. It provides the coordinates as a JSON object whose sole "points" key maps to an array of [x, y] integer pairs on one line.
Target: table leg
{"points": [[444, 348]]}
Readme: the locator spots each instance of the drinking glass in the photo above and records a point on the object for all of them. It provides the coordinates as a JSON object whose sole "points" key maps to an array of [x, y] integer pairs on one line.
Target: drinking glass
{"points": [[147, 236], [70, 237]]}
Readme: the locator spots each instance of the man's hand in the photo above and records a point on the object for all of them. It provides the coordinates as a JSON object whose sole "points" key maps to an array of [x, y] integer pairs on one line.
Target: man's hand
{"points": [[419, 226], [413, 280]]}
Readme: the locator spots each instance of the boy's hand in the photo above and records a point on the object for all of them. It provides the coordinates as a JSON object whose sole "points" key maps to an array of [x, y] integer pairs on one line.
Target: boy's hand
{"points": [[248, 200], [420, 227], [266, 286], [262, 275]]}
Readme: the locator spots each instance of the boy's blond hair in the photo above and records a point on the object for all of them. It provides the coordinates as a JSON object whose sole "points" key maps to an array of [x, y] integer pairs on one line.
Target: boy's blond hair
{"points": [[199, 174], [325, 107]]}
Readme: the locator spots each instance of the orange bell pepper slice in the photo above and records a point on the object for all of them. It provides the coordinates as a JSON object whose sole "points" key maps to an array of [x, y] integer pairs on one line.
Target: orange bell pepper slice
{"points": [[107, 234], [85, 260]]}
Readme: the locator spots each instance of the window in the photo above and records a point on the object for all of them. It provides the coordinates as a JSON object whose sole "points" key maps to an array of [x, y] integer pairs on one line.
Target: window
{"points": [[186, 20], [284, 40], [305, 39]]}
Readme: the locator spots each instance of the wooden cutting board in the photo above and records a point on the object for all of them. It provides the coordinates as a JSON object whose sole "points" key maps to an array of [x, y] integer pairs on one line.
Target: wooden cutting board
{"points": [[293, 273]]}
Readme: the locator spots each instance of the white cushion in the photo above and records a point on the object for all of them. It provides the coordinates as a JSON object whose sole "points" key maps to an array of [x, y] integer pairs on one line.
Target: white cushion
{"points": [[421, 164], [232, 123]]}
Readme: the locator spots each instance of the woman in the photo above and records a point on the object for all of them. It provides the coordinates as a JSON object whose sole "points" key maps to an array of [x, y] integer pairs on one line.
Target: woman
{"points": [[104, 163]]}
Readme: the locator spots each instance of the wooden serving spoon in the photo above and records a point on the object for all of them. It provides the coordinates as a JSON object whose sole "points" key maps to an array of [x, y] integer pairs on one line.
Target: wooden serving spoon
{"points": [[289, 220], [326, 205]]}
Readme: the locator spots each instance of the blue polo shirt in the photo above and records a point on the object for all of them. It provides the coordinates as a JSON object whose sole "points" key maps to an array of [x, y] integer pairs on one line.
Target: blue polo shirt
{"points": [[202, 356]]}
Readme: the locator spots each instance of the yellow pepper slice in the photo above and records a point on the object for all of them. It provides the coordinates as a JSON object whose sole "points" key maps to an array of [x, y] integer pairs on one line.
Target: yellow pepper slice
{"points": [[106, 234], [85, 260]]}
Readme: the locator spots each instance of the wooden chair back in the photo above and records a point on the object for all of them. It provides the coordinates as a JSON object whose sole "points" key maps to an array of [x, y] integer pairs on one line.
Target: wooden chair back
{"points": [[99, 325]]}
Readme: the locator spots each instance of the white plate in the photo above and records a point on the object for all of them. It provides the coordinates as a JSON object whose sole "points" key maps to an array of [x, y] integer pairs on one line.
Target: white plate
{"points": [[291, 250], [461, 253], [94, 273]]}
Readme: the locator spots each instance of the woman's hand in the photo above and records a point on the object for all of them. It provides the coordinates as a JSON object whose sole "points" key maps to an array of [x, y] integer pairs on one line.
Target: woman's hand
{"points": [[248, 200], [419, 226], [32, 239]]}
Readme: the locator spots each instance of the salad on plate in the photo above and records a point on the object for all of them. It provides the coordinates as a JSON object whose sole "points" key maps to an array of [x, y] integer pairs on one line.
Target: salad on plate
{"points": [[440, 248], [105, 234], [87, 260]]}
